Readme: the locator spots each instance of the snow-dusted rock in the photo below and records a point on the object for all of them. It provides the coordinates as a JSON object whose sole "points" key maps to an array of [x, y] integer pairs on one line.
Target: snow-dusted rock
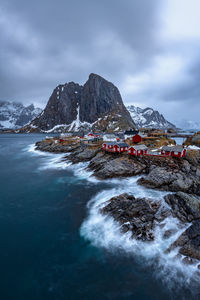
{"points": [[97, 105], [149, 118], [14, 115]]}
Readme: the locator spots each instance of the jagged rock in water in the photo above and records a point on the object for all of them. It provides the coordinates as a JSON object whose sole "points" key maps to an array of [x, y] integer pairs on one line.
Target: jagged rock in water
{"points": [[184, 206], [189, 241], [137, 215], [96, 105]]}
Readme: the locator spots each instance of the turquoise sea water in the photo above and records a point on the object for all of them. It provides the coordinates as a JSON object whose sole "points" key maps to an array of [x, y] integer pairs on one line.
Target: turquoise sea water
{"points": [[46, 251]]}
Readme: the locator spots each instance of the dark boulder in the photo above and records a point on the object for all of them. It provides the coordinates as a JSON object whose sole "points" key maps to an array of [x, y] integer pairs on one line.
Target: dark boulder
{"points": [[52, 146], [172, 180], [137, 215], [82, 154], [109, 165], [184, 206], [189, 241]]}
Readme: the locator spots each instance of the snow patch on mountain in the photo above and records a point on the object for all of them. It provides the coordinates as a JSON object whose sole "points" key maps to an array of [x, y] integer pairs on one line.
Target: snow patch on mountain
{"points": [[148, 117], [14, 115]]}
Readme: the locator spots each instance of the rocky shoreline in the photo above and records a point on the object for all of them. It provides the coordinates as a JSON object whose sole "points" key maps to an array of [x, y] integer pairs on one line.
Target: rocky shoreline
{"points": [[139, 215]]}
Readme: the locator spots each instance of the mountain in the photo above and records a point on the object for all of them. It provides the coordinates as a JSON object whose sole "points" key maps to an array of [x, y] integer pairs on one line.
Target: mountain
{"points": [[97, 105], [148, 117], [15, 115]]}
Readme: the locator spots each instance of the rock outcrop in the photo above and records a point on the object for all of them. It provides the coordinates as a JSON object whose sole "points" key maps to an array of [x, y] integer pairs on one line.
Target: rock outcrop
{"points": [[51, 146], [137, 215], [189, 241], [174, 180], [185, 207], [140, 216], [105, 165], [96, 105]]}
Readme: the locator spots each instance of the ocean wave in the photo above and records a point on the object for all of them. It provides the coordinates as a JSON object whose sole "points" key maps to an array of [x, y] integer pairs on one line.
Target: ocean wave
{"points": [[104, 231], [51, 160]]}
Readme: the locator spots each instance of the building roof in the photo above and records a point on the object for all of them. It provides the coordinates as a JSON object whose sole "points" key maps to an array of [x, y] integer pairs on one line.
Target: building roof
{"points": [[177, 148], [122, 144], [110, 143], [140, 147], [131, 132]]}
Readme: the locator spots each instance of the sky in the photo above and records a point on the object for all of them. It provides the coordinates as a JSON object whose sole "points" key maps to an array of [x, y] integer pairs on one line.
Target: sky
{"points": [[148, 48]]}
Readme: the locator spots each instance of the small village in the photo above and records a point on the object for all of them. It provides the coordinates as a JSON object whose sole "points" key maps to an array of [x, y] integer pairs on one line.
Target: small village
{"points": [[131, 142]]}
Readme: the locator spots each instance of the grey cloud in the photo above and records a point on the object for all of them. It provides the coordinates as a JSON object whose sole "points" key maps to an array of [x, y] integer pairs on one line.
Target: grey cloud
{"points": [[66, 40]]}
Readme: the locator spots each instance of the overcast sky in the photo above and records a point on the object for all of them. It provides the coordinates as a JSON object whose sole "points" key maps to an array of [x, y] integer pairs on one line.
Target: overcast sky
{"points": [[150, 49]]}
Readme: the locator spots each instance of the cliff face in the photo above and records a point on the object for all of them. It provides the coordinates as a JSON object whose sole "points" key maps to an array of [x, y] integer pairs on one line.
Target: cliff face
{"points": [[96, 105], [100, 97], [61, 107]]}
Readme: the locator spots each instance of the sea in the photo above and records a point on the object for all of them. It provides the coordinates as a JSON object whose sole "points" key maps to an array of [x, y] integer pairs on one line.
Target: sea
{"points": [[55, 244]]}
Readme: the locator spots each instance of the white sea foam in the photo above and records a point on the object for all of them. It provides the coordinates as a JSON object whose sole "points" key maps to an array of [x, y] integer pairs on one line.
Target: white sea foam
{"points": [[51, 160], [103, 231], [32, 149], [57, 162]]}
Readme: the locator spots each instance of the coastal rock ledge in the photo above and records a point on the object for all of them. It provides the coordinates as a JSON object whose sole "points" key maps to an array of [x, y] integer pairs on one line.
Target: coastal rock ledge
{"points": [[140, 216], [137, 215]]}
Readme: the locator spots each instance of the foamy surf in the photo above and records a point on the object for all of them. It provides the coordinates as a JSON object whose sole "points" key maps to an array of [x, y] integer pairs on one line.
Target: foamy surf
{"points": [[32, 150], [51, 160], [103, 231], [57, 162]]}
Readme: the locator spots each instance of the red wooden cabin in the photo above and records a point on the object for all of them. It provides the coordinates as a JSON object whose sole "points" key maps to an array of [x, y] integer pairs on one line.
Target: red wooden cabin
{"points": [[115, 147], [108, 146], [136, 138], [175, 151], [120, 147], [137, 150], [104, 146]]}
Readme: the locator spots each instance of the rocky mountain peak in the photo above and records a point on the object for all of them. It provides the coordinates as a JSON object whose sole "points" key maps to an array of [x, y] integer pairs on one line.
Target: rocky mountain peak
{"points": [[148, 117], [97, 104], [14, 115]]}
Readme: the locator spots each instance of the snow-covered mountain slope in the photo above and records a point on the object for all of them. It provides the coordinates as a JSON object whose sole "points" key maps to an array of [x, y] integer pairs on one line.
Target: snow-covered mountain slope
{"points": [[15, 115], [149, 118]]}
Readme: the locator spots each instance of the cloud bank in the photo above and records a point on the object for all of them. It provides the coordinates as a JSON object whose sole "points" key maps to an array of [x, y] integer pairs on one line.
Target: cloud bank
{"points": [[149, 49]]}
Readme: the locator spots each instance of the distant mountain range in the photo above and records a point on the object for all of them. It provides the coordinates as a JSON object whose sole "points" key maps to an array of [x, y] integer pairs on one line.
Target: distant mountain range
{"points": [[97, 105], [15, 115], [148, 117]]}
